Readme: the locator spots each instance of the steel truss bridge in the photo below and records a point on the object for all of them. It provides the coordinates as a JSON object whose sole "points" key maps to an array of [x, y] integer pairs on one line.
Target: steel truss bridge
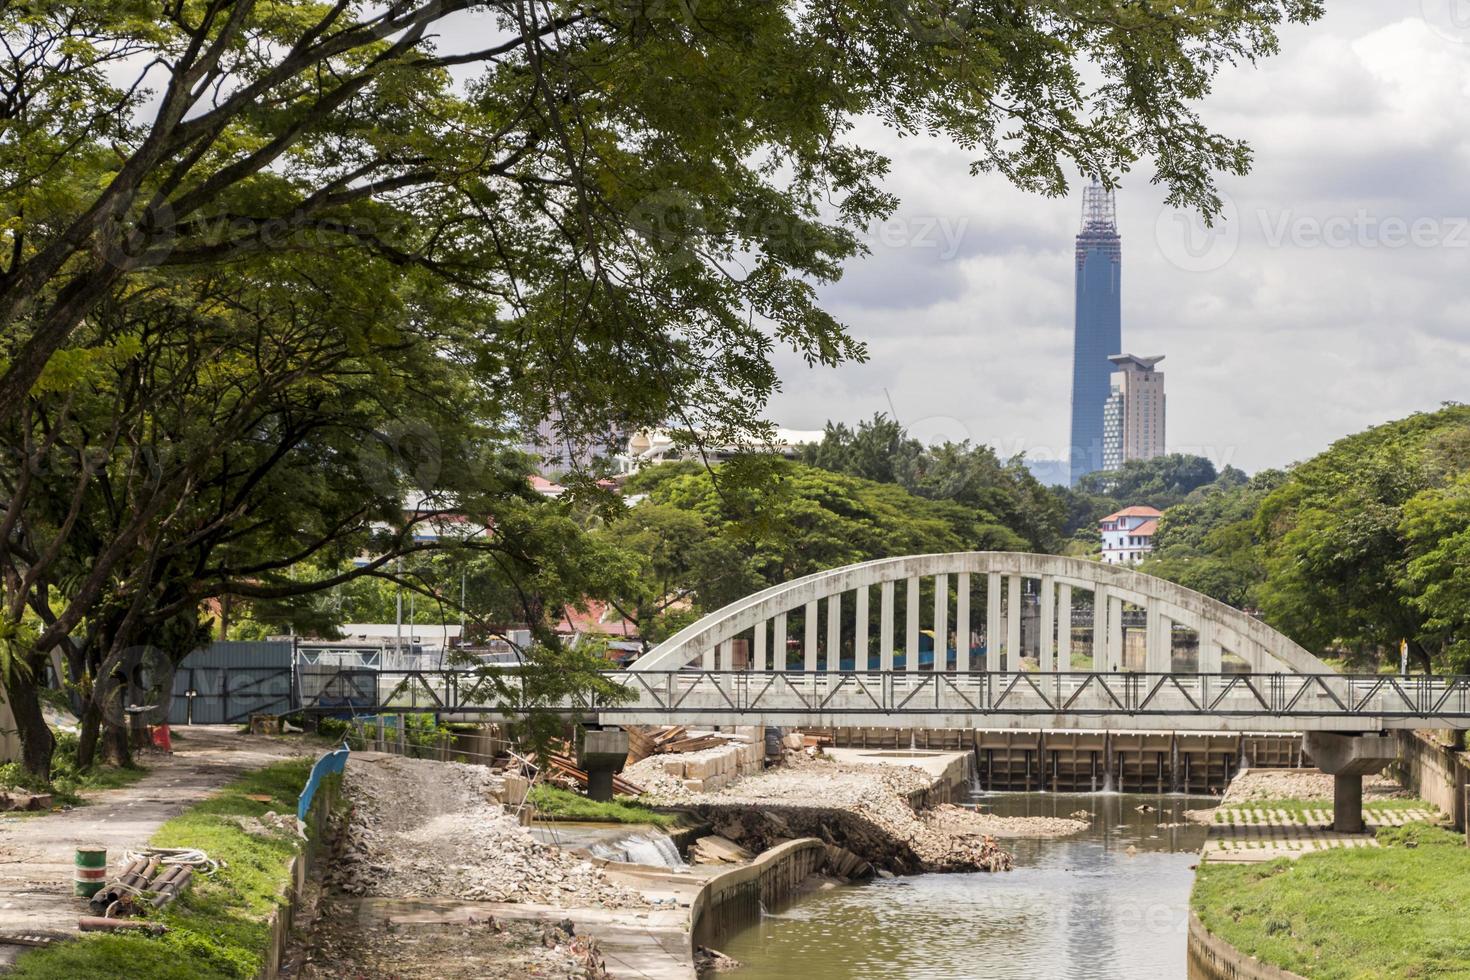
{"points": [[847, 647]]}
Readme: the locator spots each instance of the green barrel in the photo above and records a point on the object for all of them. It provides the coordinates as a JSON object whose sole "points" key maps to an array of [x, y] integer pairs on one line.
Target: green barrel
{"points": [[91, 873]]}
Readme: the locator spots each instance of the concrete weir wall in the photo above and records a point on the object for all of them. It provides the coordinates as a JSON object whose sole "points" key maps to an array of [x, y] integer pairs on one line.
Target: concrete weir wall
{"points": [[1212, 958], [1433, 771], [735, 898]]}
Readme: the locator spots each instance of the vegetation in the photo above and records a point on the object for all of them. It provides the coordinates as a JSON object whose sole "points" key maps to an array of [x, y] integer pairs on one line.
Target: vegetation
{"points": [[560, 804], [694, 545], [281, 282], [1003, 494], [1208, 541], [1365, 544], [69, 781], [218, 927], [1350, 913]]}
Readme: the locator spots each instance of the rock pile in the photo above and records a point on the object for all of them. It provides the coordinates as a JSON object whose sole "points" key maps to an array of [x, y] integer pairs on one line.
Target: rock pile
{"points": [[430, 829]]}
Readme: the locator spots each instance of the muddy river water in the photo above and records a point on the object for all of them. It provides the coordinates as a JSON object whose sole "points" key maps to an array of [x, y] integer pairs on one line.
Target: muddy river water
{"points": [[1110, 902]]}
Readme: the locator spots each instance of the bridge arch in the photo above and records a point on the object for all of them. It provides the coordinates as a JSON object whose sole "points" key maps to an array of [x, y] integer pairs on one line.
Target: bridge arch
{"points": [[954, 580]]}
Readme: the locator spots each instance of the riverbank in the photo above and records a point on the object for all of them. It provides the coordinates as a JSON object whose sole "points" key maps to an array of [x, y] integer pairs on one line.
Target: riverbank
{"points": [[1277, 885]]}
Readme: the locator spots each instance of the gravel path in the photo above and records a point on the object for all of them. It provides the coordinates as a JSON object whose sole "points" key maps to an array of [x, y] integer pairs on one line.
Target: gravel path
{"points": [[429, 829], [1302, 784]]}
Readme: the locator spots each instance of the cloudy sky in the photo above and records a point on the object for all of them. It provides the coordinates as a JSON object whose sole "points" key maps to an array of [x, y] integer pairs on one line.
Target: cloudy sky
{"points": [[1336, 296]]}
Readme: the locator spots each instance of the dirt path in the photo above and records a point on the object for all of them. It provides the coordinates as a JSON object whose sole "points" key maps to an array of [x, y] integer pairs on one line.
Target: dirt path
{"points": [[37, 851]]}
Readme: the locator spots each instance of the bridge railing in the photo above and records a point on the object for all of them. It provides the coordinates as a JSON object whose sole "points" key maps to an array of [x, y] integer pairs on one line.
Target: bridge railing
{"points": [[774, 694]]}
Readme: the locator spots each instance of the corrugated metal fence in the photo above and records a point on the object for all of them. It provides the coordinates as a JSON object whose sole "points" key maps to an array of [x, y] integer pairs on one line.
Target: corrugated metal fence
{"points": [[226, 682]]}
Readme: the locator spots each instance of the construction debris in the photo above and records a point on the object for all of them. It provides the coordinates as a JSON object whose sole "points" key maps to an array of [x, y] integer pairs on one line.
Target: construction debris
{"points": [[16, 800], [715, 849], [150, 880]]}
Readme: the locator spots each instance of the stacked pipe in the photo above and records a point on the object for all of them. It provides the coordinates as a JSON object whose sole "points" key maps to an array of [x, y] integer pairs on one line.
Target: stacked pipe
{"points": [[143, 881]]}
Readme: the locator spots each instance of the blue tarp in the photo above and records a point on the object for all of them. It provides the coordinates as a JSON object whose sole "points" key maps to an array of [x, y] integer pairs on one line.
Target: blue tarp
{"points": [[333, 762]]}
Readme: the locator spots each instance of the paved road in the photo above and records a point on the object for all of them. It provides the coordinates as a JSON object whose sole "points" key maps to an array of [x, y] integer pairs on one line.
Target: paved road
{"points": [[37, 852]]}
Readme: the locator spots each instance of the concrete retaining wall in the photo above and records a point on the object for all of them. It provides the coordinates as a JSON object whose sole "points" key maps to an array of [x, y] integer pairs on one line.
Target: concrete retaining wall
{"points": [[1212, 958], [1434, 772], [307, 864], [717, 768], [735, 898]]}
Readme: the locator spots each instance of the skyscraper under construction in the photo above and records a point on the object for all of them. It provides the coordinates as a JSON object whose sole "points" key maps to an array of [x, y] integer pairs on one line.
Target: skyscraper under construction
{"points": [[1099, 326]]}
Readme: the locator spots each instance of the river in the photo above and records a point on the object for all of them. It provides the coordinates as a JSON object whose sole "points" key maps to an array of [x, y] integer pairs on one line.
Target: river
{"points": [[1111, 902]]}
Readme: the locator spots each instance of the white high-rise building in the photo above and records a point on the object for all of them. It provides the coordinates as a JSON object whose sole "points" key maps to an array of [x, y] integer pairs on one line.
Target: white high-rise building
{"points": [[1133, 419]]}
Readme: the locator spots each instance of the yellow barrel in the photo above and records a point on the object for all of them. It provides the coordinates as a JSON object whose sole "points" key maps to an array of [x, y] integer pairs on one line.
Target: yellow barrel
{"points": [[91, 871]]}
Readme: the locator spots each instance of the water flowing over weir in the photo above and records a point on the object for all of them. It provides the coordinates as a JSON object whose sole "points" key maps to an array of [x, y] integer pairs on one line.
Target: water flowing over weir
{"points": [[651, 848]]}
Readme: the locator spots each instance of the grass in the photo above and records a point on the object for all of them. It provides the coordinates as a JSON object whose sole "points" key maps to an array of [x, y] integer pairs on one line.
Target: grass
{"points": [[218, 928], [560, 804], [1300, 810], [1350, 914]]}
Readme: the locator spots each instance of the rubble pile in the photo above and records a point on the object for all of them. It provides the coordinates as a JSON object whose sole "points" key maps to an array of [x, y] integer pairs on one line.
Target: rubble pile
{"points": [[863, 808], [433, 829]]}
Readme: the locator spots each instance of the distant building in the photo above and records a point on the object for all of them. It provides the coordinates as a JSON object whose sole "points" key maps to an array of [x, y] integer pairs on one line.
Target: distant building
{"points": [[659, 446], [1133, 419], [1098, 329], [1128, 534]]}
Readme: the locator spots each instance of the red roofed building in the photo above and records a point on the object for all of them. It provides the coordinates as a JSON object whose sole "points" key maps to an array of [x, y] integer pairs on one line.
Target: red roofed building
{"points": [[1128, 534]]}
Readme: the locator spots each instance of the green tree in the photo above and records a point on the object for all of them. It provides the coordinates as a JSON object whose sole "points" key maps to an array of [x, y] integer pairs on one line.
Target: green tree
{"points": [[1359, 543], [1207, 542], [1003, 493]]}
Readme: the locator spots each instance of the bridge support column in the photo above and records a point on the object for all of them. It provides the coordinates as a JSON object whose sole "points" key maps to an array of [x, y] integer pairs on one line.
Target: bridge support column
{"points": [[962, 622], [1348, 758], [604, 752]]}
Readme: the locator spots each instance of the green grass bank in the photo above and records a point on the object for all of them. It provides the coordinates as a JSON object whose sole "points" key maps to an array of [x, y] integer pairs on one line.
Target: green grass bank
{"points": [[1349, 914], [552, 803], [219, 928]]}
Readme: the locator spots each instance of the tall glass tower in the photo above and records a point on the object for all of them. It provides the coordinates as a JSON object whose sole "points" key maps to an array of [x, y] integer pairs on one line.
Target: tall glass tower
{"points": [[1099, 326]]}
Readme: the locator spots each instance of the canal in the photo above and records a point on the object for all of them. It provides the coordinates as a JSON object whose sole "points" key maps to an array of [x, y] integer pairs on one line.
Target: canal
{"points": [[1110, 902]]}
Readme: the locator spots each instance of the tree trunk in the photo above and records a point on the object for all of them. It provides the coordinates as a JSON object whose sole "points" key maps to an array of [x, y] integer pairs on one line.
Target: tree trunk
{"points": [[115, 748], [89, 734], [36, 743]]}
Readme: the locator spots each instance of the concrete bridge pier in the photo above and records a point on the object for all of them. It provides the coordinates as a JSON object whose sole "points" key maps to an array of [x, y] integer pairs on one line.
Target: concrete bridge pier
{"points": [[1348, 758], [604, 752]]}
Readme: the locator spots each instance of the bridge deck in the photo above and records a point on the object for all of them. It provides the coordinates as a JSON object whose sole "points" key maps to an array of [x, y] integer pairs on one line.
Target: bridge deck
{"points": [[1058, 700]]}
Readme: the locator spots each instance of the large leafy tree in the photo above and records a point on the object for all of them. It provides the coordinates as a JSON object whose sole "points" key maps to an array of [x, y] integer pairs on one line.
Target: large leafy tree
{"points": [[636, 179], [1362, 543], [1005, 492], [1208, 542]]}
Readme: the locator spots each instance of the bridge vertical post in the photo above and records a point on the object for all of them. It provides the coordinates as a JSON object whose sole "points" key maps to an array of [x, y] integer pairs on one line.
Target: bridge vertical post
{"points": [[1013, 624], [1100, 609], [1115, 632], [993, 624], [1064, 628], [1047, 653], [1209, 648], [885, 627], [778, 642], [911, 630], [760, 660], [860, 630], [809, 646], [941, 623], [962, 623], [707, 658], [1154, 656], [834, 633]]}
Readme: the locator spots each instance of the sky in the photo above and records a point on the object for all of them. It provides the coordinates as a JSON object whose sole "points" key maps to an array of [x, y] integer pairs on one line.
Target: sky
{"points": [[1334, 297]]}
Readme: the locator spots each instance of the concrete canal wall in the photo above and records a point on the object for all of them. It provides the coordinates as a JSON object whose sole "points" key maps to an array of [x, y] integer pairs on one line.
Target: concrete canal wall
{"points": [[1212, 958], [1433, 771], [734, 899]]}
